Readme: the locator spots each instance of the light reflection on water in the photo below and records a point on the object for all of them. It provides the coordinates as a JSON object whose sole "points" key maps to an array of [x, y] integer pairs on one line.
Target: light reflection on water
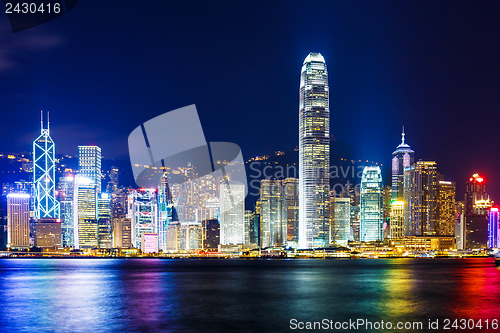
{"points": [[136, 295]]}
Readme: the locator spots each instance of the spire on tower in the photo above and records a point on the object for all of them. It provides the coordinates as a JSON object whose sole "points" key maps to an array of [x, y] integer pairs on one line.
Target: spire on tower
{"points": [[48, 121], [41, 119], [403, 136]]}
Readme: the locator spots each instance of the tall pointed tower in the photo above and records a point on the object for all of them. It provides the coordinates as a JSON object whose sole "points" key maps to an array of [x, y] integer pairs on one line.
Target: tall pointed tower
{"points": [[314, 153], [46, 205], [403, 157]]}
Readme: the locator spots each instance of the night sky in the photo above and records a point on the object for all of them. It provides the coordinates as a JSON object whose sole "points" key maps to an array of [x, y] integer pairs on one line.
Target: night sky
{"points": [[105, 67]]}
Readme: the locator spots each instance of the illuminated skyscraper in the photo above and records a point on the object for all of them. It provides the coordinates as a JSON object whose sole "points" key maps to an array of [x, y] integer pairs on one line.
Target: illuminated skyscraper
{"points": [[477, 205], [291, 209], [104, 226], [66, 189], [371, 209], [85, 226], [402, 158], [165, 212], [18, 217], [397, 219], [232, 211], [446, 208], [46, 204], [420, 196], [89, 164], [143, 212], [272, 221], [340, 217], [314, 153], [493, 229]]}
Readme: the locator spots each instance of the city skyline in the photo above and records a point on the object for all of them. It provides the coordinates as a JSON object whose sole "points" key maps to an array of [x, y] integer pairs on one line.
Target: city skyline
{"points": [[405, 76]]}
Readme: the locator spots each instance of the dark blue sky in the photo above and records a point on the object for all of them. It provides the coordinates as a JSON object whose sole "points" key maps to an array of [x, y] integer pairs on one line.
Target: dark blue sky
{"points": [[107, 66]]}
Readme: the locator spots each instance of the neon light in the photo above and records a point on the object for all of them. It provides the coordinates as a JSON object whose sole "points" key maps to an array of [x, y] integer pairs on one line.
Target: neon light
{"points": [[494, 209]]}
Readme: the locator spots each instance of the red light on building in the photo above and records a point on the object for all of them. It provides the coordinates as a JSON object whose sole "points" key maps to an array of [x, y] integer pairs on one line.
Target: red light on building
{"points": [[494, 209]]}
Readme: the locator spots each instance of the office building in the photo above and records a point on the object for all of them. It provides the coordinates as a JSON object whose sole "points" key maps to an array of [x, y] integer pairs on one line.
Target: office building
{"points": [[44, 180], [18, 220], [89, 164], [85, 213], [314, 153], [371, 209], [402, 158], [446, 208], [104, 223], [291, 210], [48, 233], [420, 196], [273, 223], [122, 233], [143, 212], [232, 211], [397, 219], [340, 220], [66, 190], [477, 205]]}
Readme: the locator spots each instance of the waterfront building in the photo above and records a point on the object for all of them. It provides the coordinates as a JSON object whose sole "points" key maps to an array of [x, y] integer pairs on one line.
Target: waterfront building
{"points": [[397, 219], [420, 196], [104, 225], [340, 220], [143, 212], [18, 220], [45, 201], [273, 223], [477, 205], [446, 208], [402, 158], [85, 213], [48, 233], [66, 189], [122, 232], [149, 242], [291, 210], [211, 239], [314, 153], [89, 164], [232, 213], [371, 209]]}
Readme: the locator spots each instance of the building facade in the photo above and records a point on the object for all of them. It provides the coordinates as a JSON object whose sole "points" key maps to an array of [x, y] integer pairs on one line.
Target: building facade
{"points": [[371, 208], [402, 158], [314, 153], [232, 213], [44, 180], [18, 220], [340, 220]]}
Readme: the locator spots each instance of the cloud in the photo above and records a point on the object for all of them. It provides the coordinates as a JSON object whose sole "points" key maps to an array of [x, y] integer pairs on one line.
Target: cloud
{"points": [[14, 45]]}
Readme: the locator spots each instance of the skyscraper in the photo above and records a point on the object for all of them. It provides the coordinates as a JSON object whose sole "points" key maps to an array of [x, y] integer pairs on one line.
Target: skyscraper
{"points": [[291, 209], [340, 216], [397, 219], [371, 204], [89, 164], [104, 231], [85, 213], [402, 158], [446, 208], [46, 204], [272, 221], [143, 212], [66, 189], [314, 153], [18, 217], [477, 204], [420, 196], [232, 211]]}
